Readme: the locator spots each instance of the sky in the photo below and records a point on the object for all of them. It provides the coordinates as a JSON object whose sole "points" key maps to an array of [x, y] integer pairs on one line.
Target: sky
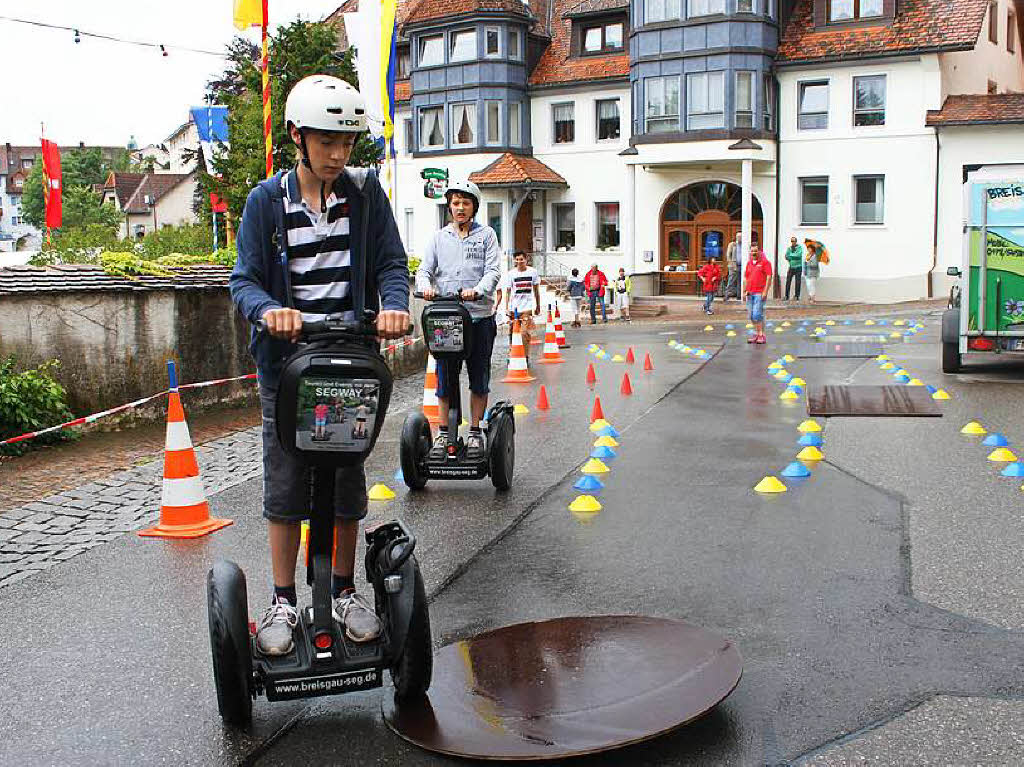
{"points": [[103, 92]]}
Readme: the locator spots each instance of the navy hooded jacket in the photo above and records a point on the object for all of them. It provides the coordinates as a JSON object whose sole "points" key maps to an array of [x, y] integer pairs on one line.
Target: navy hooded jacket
{"points": [[260, 280]]}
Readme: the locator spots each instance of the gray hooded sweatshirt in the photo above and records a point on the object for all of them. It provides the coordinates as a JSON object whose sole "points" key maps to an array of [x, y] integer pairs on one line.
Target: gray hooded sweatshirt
{"points": [[452, 263]]}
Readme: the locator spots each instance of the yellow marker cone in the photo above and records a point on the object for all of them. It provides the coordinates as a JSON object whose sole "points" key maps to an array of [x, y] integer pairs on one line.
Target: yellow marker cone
{"points": [[810, 453], [749, 325], [882, 358], [915, 382], [789, 358], [708, 327], [789, 394], [520, 409], [973, 428], [380, 493], [780, 374], [830, 322], [899, 322], [770, 484], [941, 394], [585, 503], [798, 381], [606, 442], [808, 426], [888, 366], [618, 358], [686, 349], [894, 334], [731, 334], [869, 322], [774, 366], [786, 324], [599, 424], [594, 466], [1002, 454], [777, 330]]}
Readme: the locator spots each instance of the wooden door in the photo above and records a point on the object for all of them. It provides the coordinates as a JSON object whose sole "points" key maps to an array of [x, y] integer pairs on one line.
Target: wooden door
{"points": [[677, 252], [523, 236]]}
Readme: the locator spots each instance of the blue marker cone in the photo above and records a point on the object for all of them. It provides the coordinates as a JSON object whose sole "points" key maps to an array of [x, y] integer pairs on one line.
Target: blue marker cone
{"points": [[882, 322], [801, 330], [805, 323], [771, 324], [848, 322], [810, 440], [903, 379], [604, 453], [795, 470], [1015, 469], [931, 389], [995, 440], [589, 484], [609, 431], [399, 476], [796, 388], [729, 326]]}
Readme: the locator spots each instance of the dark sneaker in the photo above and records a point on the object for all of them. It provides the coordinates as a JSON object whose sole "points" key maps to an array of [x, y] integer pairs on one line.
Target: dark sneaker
{"points": [[353, 612], [475, 447], [439, 449], [274, 636]]}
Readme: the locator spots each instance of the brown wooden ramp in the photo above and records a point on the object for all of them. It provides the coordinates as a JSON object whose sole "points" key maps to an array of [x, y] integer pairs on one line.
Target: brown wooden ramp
{"points": [[835, 348], [831, 401], [567, 686]]}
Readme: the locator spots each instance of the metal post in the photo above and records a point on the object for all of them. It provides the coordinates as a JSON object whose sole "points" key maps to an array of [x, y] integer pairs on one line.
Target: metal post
{"points": [[747, 181], [214, 230]]}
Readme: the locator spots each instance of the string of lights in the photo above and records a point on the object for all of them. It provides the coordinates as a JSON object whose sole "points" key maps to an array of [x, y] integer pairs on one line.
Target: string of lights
{"points": [[79, 33]]}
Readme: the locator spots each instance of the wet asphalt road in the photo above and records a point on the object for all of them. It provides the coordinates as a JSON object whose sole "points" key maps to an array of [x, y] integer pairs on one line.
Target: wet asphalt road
{"points": [[884, 579]]}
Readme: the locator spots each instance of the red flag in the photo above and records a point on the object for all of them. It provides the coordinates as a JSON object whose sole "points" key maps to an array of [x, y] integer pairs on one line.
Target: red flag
{"points": [[217, 205], [52, 184]]}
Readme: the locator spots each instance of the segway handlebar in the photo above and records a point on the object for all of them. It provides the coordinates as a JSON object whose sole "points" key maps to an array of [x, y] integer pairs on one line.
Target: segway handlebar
{"points": [[362, 330], [440, 297]]}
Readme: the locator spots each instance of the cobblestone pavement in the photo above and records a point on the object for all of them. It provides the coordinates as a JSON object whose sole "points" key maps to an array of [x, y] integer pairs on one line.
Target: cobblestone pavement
{"points": [[42, 533]]}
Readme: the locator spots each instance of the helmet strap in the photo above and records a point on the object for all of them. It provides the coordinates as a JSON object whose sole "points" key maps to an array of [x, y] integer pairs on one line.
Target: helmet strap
{"points": [[305, 151]]}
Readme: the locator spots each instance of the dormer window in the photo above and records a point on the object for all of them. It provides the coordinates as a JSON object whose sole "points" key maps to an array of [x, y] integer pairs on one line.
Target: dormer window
{"points": [[602, 38], [853, 10], [463, 45]]}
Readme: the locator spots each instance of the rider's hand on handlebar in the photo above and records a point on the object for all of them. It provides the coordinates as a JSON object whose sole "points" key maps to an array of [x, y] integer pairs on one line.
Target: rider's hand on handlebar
{"points": [[429, 293], [283, 323], [392, 324], [468, 294]]}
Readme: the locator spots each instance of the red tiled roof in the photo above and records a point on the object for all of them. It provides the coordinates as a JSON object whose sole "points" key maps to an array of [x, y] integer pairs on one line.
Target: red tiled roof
{"points": [[920, 25], [437, 9], [979, 109], [156, 185], [123, 185], [514, 169], [555, 65]]}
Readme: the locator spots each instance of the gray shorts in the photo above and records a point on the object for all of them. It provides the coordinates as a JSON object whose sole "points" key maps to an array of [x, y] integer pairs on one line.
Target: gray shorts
{"points": [[286, 480]]}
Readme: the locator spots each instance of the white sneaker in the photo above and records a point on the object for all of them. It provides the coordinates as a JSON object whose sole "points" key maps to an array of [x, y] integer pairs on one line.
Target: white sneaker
{"points": [[274, 636]]}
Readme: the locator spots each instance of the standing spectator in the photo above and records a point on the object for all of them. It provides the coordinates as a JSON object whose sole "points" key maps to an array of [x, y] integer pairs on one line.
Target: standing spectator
{"points": [[758, 279], [710, 275], [795, 257], [595, 282], [522, 289], [623, 290], [733, 263], [574, 283], [815, 256]]}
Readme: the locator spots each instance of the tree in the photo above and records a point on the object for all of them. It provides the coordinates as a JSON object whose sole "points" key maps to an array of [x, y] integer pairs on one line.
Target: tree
{"points": [[296, 51], [80, 169]]}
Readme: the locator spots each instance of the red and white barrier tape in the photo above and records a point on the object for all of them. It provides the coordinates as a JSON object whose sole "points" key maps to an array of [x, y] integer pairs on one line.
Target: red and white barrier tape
{"points": [[200, 385]]}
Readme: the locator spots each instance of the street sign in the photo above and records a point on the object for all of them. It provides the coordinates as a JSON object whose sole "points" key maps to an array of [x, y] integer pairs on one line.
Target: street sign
{"points": [[436, 182], [440, 174]]}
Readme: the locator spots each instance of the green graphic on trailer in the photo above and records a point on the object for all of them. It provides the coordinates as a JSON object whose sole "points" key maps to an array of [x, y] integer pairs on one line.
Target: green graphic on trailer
{"points": [[1004, 283]]}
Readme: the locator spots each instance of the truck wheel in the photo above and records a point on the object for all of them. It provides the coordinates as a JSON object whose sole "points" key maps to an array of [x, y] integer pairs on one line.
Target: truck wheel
{"points": [[413, 447], [413, 669], [951, 362], [229, 642]]}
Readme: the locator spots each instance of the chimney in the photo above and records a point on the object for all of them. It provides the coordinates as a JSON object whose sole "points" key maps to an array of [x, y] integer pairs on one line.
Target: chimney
{"points": [[81, 145]]}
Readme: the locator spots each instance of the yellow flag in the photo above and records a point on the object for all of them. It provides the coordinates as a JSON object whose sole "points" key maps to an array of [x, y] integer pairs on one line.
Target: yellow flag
{"points": [[248, 13]]}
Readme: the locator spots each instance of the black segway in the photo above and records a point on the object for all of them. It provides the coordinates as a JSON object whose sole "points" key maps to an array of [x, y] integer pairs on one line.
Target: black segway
{"points": [[447, 331], [337, 360]]}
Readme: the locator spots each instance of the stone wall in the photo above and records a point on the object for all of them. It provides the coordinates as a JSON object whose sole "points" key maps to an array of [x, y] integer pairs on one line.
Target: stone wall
{"points": [[113, 345]]}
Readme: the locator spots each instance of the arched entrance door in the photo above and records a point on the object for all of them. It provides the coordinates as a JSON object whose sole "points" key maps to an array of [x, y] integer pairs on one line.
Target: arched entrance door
{"points": [[697, 223]]}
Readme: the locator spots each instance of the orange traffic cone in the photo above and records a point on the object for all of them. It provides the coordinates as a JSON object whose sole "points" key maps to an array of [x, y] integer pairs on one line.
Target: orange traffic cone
{"points": [[430, 407], [626, 388], [560, 331], [184, 512], [630, 359], [648, 365], [591, 375], [596, 413], [517, 370], [542, 399], [551, 353]]}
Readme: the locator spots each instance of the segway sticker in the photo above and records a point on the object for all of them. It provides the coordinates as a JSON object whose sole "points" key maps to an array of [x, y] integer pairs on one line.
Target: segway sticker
{"points": [[444, 334], [336, 415]]}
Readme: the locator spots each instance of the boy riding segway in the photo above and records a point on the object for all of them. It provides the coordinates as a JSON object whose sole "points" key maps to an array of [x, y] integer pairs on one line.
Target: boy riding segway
{"points": [[316, 241], [463, 258]]}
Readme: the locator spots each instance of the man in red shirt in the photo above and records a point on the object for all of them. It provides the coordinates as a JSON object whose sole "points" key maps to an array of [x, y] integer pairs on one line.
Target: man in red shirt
{"points": [[595, 282], [757, 276]]}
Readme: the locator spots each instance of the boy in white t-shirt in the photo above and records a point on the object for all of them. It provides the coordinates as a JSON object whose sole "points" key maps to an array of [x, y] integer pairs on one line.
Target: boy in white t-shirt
{"points": [[522, 289]]}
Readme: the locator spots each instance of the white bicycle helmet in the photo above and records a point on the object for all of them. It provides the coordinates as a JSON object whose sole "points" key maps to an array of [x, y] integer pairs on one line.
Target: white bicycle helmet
{"points": [[322, 102], [465, 187]]}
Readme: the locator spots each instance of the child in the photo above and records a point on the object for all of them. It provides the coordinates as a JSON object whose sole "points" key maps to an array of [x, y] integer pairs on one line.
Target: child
{"points": [[623, 289], [574, 283], [710, 275]]}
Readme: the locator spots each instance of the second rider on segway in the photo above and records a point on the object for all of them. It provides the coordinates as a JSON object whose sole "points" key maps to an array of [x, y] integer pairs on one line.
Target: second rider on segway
{"points": [[464, 259]]}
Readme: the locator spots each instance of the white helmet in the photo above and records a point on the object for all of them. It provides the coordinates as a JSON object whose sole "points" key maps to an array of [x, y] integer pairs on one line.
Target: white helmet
{"points": [[466, 187], [325, 103]]}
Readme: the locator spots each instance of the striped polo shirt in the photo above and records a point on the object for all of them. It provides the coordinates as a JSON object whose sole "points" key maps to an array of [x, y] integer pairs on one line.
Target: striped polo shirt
{"points": [[319, 256]]}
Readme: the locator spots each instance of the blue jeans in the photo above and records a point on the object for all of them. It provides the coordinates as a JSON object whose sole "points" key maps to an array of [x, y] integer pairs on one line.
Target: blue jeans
{"points": [[755, 305], [709, 297], [594, 299]]}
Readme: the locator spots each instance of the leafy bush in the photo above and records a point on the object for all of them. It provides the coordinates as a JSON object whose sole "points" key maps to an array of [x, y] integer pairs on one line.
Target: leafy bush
{"points": [[129, 265], [414, 264], [190, 238], [219, 257], [30, 400], [78, 245]]}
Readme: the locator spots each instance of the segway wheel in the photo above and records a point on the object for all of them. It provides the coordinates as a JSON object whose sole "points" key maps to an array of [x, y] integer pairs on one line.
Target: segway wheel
{"points": [[413, 669], [414, 446], [503, 452], [227, 607]]}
